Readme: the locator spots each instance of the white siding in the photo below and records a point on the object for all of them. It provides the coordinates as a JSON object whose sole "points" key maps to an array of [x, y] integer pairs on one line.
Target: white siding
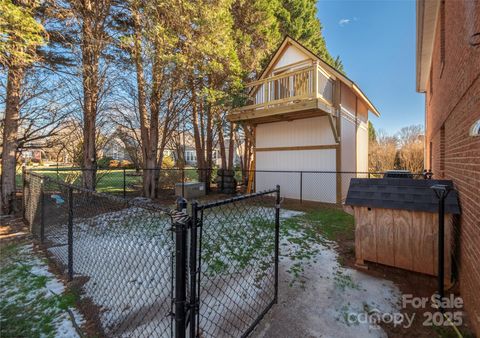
{"points": [[362, 138], [348, 150], [304, 132], [316, 186], [291, 55]]}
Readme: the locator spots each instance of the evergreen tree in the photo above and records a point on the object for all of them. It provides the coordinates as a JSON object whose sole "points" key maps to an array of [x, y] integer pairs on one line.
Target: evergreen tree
{"points": [[298, 19], [372, 134]]}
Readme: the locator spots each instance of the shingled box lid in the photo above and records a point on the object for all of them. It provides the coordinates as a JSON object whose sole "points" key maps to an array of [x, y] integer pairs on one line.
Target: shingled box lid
{"points": [[400, 193]]}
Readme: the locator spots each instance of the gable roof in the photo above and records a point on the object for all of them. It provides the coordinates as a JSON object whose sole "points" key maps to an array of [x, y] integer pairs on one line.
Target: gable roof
{"points": [[289, 41], [400, 193]]}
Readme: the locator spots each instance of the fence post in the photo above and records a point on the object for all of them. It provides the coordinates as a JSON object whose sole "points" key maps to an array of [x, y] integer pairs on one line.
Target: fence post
{"points": [[124, 183], [301, 186], [70, 233], [194, 306], [441, 191], [180, 228], [277, 239], [24, 200], [183, 181], [42, 211]]}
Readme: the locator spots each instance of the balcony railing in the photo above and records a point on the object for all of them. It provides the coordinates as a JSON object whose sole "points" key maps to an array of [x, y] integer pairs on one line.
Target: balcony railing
{"points": [[305, 82]]}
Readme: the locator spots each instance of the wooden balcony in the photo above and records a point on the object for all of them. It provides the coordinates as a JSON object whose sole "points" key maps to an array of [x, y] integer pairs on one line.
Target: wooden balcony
{"points": [[295, 91]]}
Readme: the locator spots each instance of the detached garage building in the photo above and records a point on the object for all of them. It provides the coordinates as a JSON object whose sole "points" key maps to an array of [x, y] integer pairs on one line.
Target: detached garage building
{"points": [[306, 116]]}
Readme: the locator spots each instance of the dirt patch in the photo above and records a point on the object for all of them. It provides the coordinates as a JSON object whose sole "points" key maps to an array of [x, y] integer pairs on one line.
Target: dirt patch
{"points": [[13, 228], [90, 312]]}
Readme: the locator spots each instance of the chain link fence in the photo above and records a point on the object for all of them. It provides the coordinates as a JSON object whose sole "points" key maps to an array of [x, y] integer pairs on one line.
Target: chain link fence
{"points": [[317, 186], [121, 253], [147, 271]]}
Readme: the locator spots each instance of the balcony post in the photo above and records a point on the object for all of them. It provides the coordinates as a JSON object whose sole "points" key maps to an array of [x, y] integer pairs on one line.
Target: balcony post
{"points": [[315, 79], [265, 94]]}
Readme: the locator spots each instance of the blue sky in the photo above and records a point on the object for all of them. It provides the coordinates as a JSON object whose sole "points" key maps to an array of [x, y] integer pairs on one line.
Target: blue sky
{"points": [[376, 42]]}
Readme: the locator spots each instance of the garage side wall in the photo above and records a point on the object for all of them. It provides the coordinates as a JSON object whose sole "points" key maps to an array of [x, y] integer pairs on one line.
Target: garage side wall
{"points": [[274, 153], [354, 137], [362, 138]]}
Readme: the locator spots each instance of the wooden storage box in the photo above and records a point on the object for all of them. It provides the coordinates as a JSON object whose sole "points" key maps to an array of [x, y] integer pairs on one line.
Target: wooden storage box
{"points": [[401, 238], [396, 223]]}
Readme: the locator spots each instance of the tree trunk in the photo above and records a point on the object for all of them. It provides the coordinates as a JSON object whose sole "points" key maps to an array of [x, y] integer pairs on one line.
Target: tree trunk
{"points": [[149, 163], [90, 68], [10, 138], [152, 154], [209, 148], [231, 147], [221, 141], [196, 131]]}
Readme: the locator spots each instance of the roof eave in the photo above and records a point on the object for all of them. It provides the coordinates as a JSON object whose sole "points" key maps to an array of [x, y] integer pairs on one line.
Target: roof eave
{"points": [[427, 14]]}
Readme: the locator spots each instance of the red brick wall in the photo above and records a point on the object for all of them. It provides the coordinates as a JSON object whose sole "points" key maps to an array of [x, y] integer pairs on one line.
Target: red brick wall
{"points": [[454, 105]]}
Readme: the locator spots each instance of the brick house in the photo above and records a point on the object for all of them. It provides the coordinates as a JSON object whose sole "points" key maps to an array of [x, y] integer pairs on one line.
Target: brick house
{"points": [[448, 72]]}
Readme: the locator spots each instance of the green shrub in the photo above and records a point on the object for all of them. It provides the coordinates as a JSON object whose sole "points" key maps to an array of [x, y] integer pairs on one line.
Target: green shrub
{"points": [[104, 162]]}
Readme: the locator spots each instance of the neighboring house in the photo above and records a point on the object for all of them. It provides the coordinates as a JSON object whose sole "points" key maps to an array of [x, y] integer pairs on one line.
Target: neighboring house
{"points": [[306, 116], [190, 154], [115, 149], [448, 72]]}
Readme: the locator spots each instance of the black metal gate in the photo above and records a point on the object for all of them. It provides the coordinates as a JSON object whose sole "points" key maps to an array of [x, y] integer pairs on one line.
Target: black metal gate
{"points": [[226, 265]]}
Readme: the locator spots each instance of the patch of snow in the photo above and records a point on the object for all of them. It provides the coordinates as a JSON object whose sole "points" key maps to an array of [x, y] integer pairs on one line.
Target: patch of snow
{"points": [[285, 213], [320, 307], [53, 287], [126, 256]]}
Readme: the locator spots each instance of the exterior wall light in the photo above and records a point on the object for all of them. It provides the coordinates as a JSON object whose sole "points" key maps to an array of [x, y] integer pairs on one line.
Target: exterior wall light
{"points": [[475, 129]]}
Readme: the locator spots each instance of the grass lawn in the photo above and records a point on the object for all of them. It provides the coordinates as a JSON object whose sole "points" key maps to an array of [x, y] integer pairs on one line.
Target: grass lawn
{"points": [[304, 235], [33, 302], [111, 181]]}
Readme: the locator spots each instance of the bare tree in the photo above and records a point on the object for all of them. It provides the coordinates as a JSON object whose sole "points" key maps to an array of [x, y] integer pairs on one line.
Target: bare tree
{"points": [[411, 141], [382, 152]]}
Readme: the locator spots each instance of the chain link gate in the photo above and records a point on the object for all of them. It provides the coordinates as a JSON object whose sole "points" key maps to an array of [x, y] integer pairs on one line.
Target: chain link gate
{"points": [[231, 250]]}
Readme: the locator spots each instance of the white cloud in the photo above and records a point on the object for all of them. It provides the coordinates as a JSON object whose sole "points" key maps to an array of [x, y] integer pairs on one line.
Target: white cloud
{"points": [[344, 22]]}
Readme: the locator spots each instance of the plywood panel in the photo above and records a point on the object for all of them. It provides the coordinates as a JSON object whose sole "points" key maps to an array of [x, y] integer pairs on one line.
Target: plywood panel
{"points": [[365, 236], [384, 235], [448, 245], [424, 232], [403, 239]]}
